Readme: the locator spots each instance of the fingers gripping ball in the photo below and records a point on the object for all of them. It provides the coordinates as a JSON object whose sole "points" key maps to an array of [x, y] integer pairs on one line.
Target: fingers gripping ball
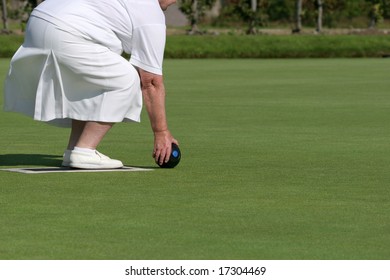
{"points": [[174, 159]]}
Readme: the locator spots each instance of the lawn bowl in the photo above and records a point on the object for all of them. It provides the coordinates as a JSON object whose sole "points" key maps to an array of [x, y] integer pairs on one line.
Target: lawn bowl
{"points": [[174, 159]]}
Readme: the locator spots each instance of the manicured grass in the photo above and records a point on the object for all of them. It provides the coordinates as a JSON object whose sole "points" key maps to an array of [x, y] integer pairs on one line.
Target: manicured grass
{"points": [[282, 159]]}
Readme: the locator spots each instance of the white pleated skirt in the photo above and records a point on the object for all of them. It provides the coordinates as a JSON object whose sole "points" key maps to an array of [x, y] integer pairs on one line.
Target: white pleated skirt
{"points": [[57, 76]]}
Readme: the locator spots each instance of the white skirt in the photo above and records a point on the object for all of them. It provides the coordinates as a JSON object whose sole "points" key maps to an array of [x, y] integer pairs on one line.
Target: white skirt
{"points": [[56, 76]]}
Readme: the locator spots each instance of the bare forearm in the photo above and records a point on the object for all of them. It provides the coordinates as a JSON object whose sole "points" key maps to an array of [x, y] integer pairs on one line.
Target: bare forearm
{"points": [[153, 92], [154, 99]]}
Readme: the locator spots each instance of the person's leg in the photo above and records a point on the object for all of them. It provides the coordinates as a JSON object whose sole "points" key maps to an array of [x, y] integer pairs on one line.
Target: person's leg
{"points": [[84, 138], [75, 133], [92, 134], [87, 134]]}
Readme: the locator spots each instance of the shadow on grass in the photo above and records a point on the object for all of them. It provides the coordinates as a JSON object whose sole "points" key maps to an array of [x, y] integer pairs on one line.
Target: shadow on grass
{"points": [[30, 159], [43, 160]]}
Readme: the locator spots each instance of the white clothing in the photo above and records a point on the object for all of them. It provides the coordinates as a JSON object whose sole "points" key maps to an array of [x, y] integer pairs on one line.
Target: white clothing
{"points": [[70, 64]]}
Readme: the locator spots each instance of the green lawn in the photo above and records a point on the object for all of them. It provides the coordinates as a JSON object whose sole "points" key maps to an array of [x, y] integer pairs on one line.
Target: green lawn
{"points": [[281, 159]]}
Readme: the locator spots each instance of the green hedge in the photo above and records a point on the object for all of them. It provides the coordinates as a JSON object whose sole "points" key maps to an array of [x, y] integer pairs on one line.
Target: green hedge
{"points": [[262, 46], [272, 46]]}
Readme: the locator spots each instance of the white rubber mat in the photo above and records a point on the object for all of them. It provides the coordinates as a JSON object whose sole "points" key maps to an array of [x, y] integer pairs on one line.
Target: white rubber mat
{"points": [[41, 170]]}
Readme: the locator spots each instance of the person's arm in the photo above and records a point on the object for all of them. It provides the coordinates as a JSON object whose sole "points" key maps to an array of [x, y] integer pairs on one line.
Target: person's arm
{"points": [[153, 92]]}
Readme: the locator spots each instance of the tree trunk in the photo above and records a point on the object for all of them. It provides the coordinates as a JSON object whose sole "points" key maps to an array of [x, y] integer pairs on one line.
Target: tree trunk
{"points": [[254, 5], [5, 16], [194, 18], [252, 23], [319, 18], [375, 14], [298, 17]]}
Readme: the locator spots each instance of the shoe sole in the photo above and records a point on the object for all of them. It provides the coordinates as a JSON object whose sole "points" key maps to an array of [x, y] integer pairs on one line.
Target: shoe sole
{"points": [[94, 166]]}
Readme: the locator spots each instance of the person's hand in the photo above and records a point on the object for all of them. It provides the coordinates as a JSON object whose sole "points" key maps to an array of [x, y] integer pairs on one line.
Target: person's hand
{"points": [[163, 146]]}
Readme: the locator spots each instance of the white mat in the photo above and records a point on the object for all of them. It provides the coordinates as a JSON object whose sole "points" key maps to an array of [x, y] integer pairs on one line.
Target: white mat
{"points": [[40, 170]]}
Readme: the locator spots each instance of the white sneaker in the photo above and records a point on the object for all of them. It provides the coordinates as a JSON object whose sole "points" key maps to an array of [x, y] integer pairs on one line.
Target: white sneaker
{"points": [[96, 160], [66, 158]]}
